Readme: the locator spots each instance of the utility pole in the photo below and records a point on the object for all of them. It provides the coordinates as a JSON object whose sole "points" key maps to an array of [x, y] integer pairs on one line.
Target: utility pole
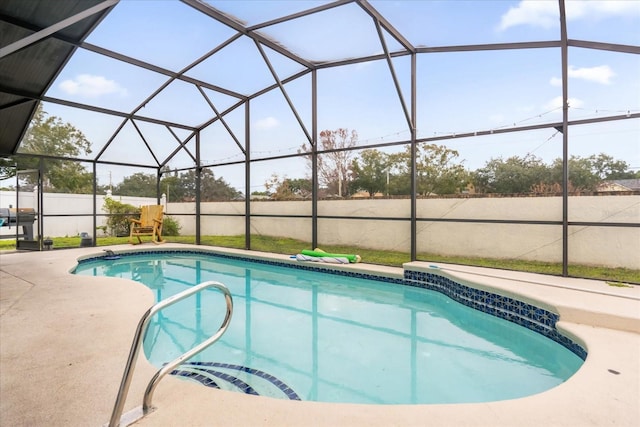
{"points": [[387, 182]]}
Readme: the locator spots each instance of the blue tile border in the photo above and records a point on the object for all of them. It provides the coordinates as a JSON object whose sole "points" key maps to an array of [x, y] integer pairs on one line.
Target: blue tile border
{"points": [[513, 310], [535, 318]]}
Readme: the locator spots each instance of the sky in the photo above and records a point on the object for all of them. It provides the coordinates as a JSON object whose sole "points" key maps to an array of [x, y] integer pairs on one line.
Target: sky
{"points": [[457, 92]]}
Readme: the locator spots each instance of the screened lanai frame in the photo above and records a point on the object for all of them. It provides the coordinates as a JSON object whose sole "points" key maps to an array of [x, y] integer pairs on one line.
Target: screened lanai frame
{"points": [[387, 34]]}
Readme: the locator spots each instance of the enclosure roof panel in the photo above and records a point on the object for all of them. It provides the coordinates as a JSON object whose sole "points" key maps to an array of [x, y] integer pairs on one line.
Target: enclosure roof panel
{"points": [[38, 38], [188, 64]]}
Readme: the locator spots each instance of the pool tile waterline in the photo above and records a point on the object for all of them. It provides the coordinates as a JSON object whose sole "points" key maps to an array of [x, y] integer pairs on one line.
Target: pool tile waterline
{"points": [[524, 314], [535, 318]]}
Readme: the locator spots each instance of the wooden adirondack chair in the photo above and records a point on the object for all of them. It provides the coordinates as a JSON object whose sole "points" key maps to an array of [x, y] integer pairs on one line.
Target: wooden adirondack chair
{"points": [[149, 224]]}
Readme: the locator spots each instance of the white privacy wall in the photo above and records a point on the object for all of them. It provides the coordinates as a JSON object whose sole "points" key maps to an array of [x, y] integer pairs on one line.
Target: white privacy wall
{"points": [[65, 204], [608, 246]]}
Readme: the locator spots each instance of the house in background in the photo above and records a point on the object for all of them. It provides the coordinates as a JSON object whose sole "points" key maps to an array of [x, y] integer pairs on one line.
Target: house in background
{"points": [[620, 185]]}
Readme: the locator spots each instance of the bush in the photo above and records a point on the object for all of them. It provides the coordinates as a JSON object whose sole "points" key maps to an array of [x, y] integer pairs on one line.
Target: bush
{"points": [[118, 222], [170, 227]]}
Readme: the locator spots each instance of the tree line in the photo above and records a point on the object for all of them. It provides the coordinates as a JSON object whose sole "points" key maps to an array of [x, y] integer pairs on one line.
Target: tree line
{"points": [[179, 187], [439, 171], [342, 171]]}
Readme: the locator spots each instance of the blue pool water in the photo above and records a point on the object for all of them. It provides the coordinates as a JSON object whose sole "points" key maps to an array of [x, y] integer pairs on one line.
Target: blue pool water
{"points": [[308, 335]]}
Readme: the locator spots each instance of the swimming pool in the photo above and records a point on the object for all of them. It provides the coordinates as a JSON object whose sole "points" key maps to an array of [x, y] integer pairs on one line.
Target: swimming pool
{"points": [[298, 333]]}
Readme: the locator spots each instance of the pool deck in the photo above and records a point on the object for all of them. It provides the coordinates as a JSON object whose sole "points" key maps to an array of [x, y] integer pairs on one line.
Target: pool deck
{"points": [[64, 340]]}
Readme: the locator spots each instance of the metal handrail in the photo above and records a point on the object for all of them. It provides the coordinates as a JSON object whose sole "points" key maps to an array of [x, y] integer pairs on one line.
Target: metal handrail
{"points": [[137, 343]]}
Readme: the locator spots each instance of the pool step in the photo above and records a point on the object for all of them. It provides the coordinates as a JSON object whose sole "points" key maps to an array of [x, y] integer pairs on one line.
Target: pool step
{"points": [[236, 378]]}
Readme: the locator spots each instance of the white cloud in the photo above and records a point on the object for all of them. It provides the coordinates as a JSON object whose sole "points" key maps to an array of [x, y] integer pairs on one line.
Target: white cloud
{"points": [[267, 123], [601, 74], [575, 103], [556, 104], [91, 86], [601, 9], [546, 14], [555, 81], [536, 13]]}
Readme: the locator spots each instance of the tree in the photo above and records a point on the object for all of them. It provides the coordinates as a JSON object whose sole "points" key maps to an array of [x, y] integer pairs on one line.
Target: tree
{"points": [[139, 184], [513, 175], [178, 187], [300, 187], [530, 175], [49, 135], [7, 168], [211, 188], [581, 174], [606, 167], [287, 188], [436, 171], [120, 214], [171, 185], [586, 173], [371, 172], [334, 166], [259, 194]]}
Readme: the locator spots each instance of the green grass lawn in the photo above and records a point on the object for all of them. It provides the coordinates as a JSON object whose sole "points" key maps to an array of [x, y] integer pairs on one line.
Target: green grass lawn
{"points": [[283, 245]]}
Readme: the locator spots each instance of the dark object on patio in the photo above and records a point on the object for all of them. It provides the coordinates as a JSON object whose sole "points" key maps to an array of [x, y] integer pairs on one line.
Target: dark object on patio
{"points": [[23, 217], [85, 239]]}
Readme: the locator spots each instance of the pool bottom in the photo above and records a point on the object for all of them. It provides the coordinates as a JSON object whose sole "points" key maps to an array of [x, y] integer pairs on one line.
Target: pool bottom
{"points": [[527, 315]]}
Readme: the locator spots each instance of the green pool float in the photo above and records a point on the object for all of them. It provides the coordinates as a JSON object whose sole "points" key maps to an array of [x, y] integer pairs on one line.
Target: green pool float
{"points": [[320, 253]]}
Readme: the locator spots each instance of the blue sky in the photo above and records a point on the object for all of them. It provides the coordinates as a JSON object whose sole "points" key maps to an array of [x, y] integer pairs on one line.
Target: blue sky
{"points": [[457, 92]]}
